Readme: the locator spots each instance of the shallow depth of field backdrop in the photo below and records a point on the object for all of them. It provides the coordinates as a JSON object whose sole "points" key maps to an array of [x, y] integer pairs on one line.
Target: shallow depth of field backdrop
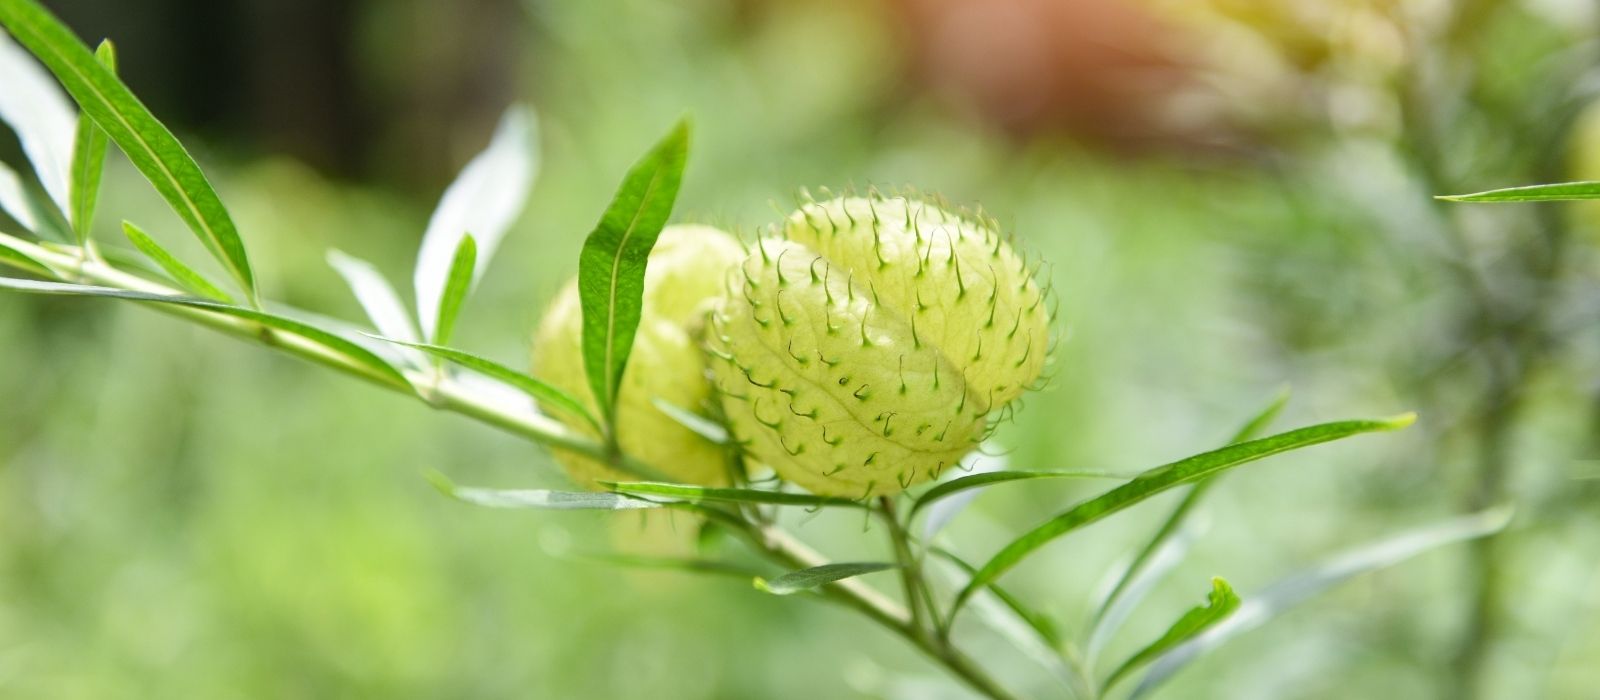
{"points": [[1233, 195]]}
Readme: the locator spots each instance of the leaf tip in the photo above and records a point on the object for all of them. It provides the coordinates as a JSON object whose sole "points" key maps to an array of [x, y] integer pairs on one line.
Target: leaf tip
{"points": [[1400, 421], [440, 482]]}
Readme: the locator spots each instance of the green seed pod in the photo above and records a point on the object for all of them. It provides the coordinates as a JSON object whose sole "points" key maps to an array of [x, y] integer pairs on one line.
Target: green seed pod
{"points": [[686, 269], [866, 350]]}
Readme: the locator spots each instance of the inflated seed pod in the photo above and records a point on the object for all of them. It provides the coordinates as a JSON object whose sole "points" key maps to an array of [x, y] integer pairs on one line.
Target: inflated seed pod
{"points": [[686, 268], [866, 349]]}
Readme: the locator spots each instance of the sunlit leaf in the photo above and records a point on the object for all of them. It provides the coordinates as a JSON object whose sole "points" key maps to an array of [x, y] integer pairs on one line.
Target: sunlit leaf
{"points": [[1295, 589], [538, 390], [612, 264], [1221, 603], [146, 141], [379, 299], [14, 199], [808, 579], [485, 199], [1145, 569], [89, 160], [183, 274], [373, 366], [1532, 193], [1165, 477], [695, 494], [33, 105], [536, 498], [457, 284]]}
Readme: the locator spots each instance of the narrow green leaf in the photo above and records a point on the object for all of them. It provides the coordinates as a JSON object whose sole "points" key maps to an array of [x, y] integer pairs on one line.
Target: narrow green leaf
{"points": [[986, 479], [700, 425], [1166, 477], [1141, 574], [540, 391], [808, 579], [23, 261], [185, 275], [1042, 624], [349, 351], [89, 159], [612, 264], [695, 494], [1219, 605], [1532, 193], [1297, 588], [456, 287], [536, 498], [147, 142], [485, 199], [378, 298]]}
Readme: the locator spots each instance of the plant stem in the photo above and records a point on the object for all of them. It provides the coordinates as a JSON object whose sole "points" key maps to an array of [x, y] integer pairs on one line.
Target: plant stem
{"points": [[785, 550], [443, 394]]}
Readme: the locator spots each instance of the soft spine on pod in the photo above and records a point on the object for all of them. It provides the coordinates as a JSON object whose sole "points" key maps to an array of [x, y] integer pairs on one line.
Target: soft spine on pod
{"points": [[867, 348]]}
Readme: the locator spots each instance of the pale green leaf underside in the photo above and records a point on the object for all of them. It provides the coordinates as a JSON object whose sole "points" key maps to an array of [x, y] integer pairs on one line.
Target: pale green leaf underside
{"points": [[536, 498], [987, 479], [89, 160], [695, 494], [1297, 588], [807, 579], [538, 390]]}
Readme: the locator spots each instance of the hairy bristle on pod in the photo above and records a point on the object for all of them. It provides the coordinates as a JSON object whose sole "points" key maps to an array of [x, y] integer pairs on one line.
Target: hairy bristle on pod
{"points": [[870, 346]]}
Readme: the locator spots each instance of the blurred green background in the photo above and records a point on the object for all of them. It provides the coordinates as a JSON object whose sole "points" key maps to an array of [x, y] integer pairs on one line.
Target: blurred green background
{"points": [[1231, 195]]}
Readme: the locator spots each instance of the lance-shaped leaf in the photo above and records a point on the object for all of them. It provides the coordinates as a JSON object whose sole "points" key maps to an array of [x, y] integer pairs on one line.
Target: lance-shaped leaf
{"points": [[183, 274], [456, 286], [695, 494], [146, 141], [536, 498], [1160, 554], [808, 579], [22, 260], [612, 264], [1166, 477], [379, 299], [1532, 193], [89, 160], [1219, 605], [14, 199], [1295, 589], [42, 117], [700, 425], [484, 200], [987, 479], [533, 387], [372, 366]]}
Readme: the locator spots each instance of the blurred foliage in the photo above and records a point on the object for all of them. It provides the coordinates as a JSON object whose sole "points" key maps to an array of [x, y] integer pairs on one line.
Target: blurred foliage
{"points": [[182, 516]]}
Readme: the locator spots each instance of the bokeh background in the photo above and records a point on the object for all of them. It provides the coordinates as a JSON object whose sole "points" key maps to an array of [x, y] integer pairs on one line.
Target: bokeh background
{"points": [[1231, 195]]}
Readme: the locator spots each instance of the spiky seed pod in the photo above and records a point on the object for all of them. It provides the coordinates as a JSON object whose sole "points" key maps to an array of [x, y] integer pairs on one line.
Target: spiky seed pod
{"points": [[686, 270], [866, 350]]}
